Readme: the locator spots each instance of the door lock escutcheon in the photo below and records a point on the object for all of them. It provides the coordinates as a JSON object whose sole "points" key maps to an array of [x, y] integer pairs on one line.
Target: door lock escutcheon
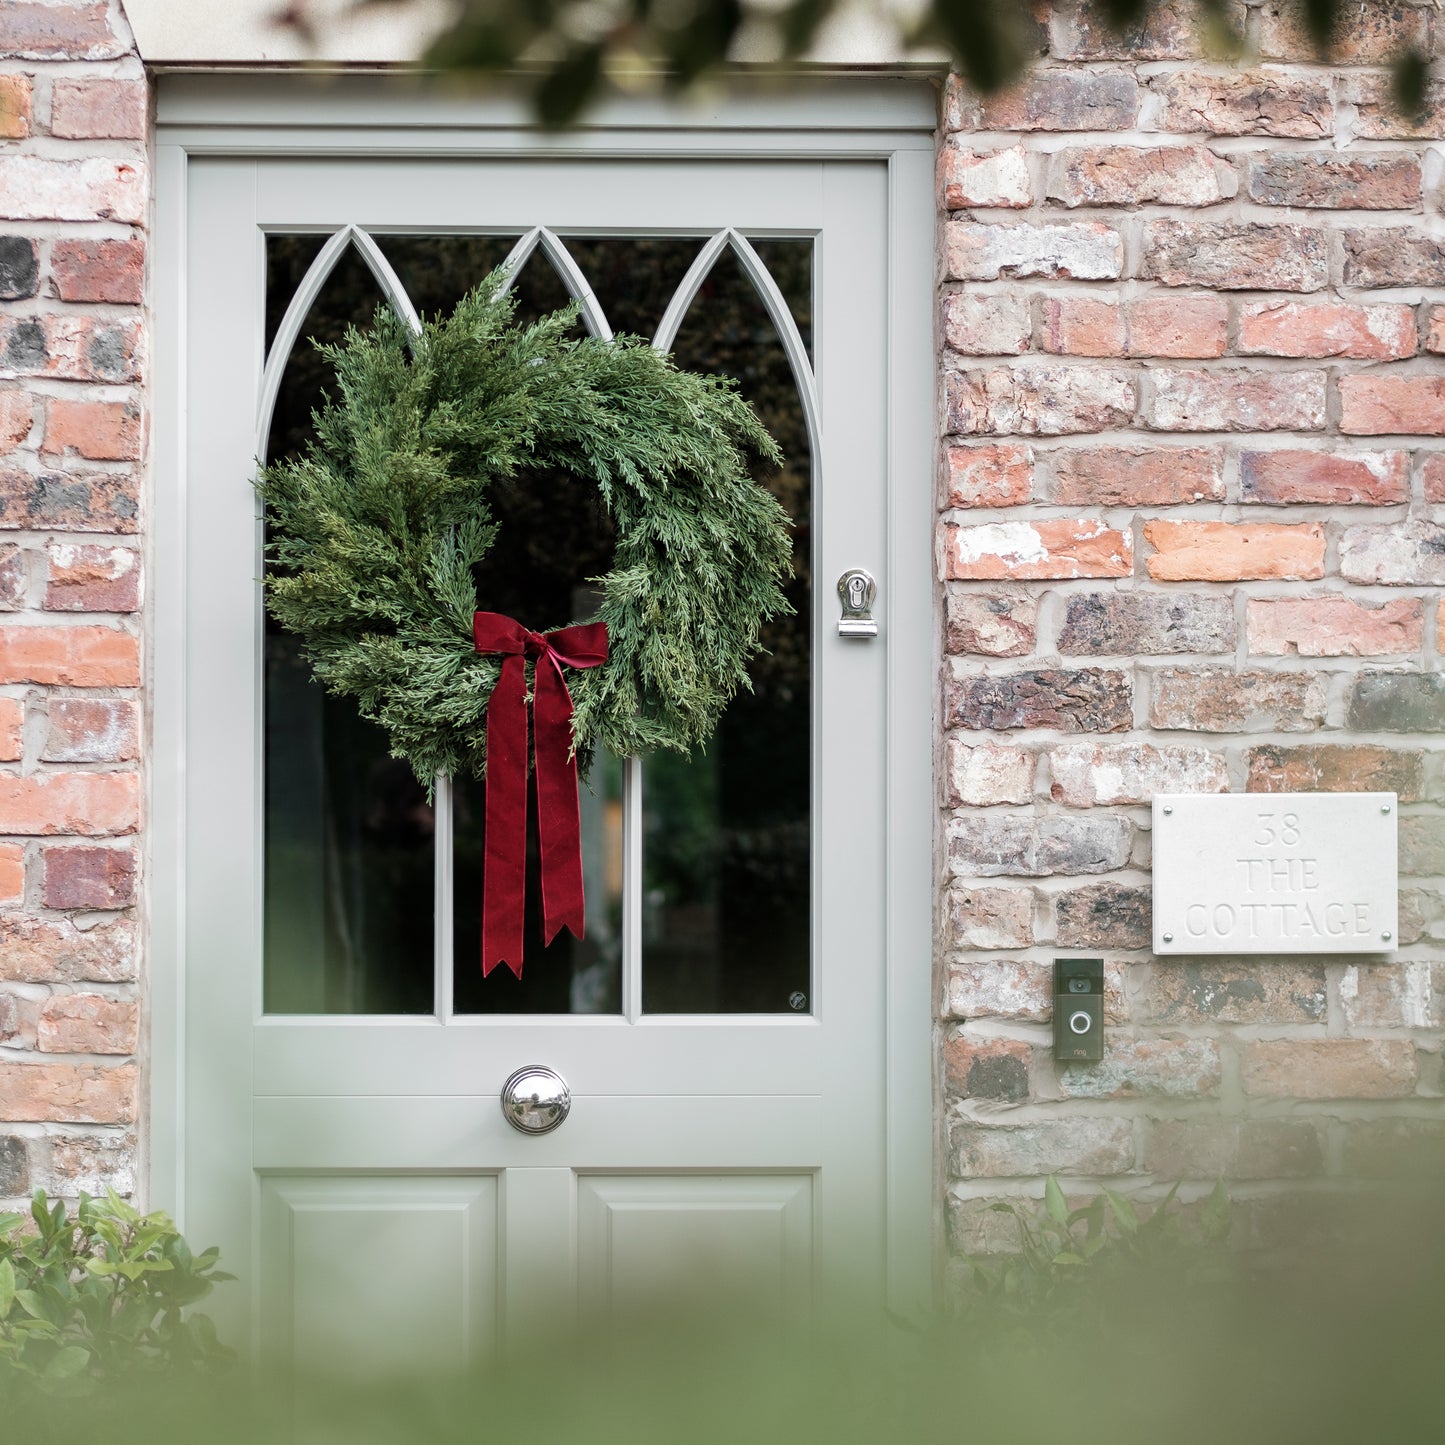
{"points": [[856, 590]]}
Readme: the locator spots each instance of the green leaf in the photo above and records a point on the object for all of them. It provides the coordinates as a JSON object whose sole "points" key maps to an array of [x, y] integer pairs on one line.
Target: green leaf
{"points": [[1054, 1202], [7, 1287], [1123, 1212], [67, 1362], [1216, 1219]]}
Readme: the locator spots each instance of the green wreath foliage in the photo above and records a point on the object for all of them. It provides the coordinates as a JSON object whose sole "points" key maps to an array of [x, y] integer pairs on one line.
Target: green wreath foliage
{"points": [[376, 530]]}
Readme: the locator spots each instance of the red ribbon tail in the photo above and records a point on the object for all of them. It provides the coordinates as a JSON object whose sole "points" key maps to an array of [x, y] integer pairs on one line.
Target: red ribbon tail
{"points": [[505, 863], [559, 826]]}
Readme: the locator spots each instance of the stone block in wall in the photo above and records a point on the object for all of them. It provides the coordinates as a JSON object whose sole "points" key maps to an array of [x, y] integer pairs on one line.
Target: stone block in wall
{"points": [[91, 1162], [88, 1023], [1422, 844], [1136, 624], [988, 475], [1078, 700], [99, 270], [101, 878], [1395, 1148], [92, 730]]}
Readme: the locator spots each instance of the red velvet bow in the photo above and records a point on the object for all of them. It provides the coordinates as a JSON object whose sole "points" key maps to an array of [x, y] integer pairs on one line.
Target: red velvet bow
{"points": [[559, 825]]}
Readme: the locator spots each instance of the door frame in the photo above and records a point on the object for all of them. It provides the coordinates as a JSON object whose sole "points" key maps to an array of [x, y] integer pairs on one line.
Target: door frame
{"points": [[886, 119]]}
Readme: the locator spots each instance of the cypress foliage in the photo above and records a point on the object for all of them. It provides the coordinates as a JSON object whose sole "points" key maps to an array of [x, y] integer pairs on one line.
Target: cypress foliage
{"points": [[375, 531]]}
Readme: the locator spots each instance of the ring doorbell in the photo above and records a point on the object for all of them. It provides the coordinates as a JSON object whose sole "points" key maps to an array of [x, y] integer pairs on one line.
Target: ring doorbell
{"points": [[1079, 1009]]}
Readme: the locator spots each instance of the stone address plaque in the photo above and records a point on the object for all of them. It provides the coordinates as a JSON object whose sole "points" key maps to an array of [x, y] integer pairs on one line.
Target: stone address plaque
{"points": [[1247, 873]]}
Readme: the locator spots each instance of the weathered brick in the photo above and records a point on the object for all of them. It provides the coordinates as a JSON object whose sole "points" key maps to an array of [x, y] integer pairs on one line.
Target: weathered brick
{"points": [[1379, 405], [1165, 30], [1103, 915], [999, 475], [1432, 473], [92, 730], [99, 270], [92, 579], [1389, 995], [1123, 175], [12, 874], [70, 656], [991, 846], [1055, 100], [1179, 326], [19, 268], [1332, 627], [85, 804], [1031, 399], [983, 178], [1329, 1068], [1080, 700], [1086, 775], [93, 878], [67, 1093], [990, 625], [1080, 1145], [14, 582], [988, 917], [1375, 479], [1386, 181], [71, 348], [1247, 1149], [14, 107], [1435, 330], [1335, 768], [1422, 844], [1010, 988], [1235, 991], [91, 1163], [95, 107], [1082, 250], [17, 416], [100, 502], [1392, 256], [98, 430], [1267, 101], [1083, 326], [54, 950], [59, 32], [986, 325], [1132, 624], [1236, 399], [1422, 915], [982, 776], [1235, 255], [1137, 476], [1405, 554], [1398, 702], [87, 1023], [1294, 328], [12, 722], [1234, 551], [996, 1069], [1378, 115], [1217, 700], [1055, 547], [1362, 35], [1395, 1148], [40, 188], [14, 1167], [1133, 1068]]}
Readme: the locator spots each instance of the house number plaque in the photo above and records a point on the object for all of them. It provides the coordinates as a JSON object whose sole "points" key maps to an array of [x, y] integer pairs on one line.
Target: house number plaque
{"points": [[1275, 873]]}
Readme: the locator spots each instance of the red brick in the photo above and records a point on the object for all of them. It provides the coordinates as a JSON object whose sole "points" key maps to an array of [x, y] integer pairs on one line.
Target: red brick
{"points": [[1402, 554], [19, 267], [1053, 100], [97, 108], [983, 776], [1330, 1068], [54, 950], [1082, 326], [993, 845], [12, 873], [1008, 988], [1267, 101], [1387, 181], [1057, 547], [969, 178], [69, 501], [1217, 700], [1235, 991], [1375, 479], [1180, 326], [1235, 255], [1433, 473], [986, 325], [990, 625], [94, 878], [1137, 476], [67, 1093], [1370, 34], [1388, 995], [1234, 551], [988, 917], [1134, 1068], [1378, 115], [1089, 775], [1065, 700], [1333, 627], [12, 720], [99, 270], [14, 583], [92, 730], [72, 348], [1392, 256], [1127, 175], [1376, 405], [100, 430], [1030, 399], [996, 1069], [59, 32], [1235, 399], [70, 656], [17, 415], [1079, 250], [1081, 1145], [1103, 915], [92, 579], [1243, 1149], [85, 804], [91, 1163], [1435, 334], [1293, 328], [1335, 768], [1165, 30], [988, 476], [14, 106], [1138, 624], [87, 1023], [95, 188]]}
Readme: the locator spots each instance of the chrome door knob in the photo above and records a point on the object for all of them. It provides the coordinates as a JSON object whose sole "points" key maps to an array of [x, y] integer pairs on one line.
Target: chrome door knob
{"points": [[535, 1099]]}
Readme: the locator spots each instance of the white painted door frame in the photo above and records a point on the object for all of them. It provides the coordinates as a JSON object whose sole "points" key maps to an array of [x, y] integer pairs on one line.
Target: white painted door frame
{"points": [[880, 120]]}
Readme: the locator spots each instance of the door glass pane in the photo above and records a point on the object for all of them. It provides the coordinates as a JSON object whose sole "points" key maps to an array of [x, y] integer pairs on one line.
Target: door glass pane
{"points": [[349, 833], [726, 871], [437, 271], [634, 277]]}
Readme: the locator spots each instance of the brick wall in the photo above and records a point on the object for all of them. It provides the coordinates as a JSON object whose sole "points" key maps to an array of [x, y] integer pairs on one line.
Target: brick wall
{"points": [[1192, 538], [73, 203]]}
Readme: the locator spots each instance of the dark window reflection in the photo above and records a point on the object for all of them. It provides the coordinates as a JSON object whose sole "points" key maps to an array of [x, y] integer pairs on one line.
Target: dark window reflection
{"points": [[726, 869], [349, 833]]}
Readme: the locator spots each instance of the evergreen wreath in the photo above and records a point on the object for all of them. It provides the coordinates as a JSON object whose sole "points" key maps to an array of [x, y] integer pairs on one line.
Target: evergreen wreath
{"points": [[376, 529]]}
